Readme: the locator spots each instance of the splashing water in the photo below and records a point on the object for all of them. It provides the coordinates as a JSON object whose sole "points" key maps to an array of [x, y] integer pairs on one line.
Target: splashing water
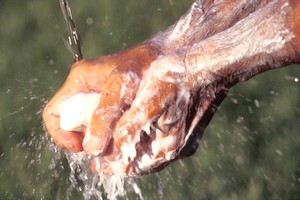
{"points": [[99, 185], [92, 184]]}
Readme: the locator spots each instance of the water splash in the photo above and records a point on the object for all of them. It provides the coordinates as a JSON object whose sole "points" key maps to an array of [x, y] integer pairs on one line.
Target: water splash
{"points": [[99, 185], [92, 185]]}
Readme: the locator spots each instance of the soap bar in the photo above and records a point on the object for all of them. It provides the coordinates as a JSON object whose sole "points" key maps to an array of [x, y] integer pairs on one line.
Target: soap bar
{"points": [[76, 111]]}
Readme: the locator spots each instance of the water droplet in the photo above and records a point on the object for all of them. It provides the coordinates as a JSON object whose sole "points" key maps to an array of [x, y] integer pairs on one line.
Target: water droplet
{"points": [[240, 119], [278, 152], [235, 101], [256, 103], [89, 21], [296, 80], [51, 62], [250, 109]]}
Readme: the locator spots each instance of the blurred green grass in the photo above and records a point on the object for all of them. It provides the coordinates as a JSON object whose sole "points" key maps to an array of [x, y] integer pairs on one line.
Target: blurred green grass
{"points": [[250, 149]]}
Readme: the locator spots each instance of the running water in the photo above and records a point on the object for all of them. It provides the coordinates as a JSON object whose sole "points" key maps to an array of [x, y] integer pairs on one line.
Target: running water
{"points": [[99, 185], [72, 42]]}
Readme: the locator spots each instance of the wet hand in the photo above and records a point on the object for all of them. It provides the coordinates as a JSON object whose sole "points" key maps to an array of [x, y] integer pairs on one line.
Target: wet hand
{"points": [[80, 80], [140, 124], [128, 108]]}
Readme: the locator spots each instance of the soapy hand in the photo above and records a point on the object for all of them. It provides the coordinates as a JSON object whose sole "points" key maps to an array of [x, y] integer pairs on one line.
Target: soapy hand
{"points": [[137, 110], [88, 77], [79, 82], [127, 109]]}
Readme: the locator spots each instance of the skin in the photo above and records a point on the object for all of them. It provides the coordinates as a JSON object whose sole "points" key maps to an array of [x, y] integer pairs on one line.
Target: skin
{"points": [[175, 81], [97, 75]]}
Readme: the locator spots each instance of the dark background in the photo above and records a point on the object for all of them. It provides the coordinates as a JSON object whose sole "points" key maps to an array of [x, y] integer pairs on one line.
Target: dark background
{"points": [[250, 149]]}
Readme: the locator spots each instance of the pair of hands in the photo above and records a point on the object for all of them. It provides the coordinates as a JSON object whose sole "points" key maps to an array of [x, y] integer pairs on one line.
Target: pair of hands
{"points": [[139, 114]]}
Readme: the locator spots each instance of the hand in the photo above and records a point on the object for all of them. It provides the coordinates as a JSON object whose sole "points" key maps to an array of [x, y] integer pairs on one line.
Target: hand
{"points": [[88, 77], [147, 130], [138, 110], [116, 78], [80, 80]]}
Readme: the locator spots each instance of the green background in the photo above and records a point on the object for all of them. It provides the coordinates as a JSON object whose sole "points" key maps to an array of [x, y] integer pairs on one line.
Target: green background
{"points": [[250, 150]]}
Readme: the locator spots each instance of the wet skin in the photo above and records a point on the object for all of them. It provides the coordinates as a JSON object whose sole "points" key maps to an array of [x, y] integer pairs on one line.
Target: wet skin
{"points": [[156, 95]]}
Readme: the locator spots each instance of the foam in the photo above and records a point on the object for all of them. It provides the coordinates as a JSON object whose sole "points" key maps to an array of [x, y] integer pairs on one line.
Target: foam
{"points": [[76, 111], [75, 115]]}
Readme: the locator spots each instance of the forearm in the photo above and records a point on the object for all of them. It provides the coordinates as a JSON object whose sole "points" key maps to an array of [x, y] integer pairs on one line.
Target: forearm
{"points": [[266, 39], [204, 19]]}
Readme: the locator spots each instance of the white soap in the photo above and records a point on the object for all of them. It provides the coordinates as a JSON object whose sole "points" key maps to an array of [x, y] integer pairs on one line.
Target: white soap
{"points": [[76, 111]]}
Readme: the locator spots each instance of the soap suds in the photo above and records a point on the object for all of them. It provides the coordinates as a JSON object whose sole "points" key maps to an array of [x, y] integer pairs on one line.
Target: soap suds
{"points": [[76, 111]]}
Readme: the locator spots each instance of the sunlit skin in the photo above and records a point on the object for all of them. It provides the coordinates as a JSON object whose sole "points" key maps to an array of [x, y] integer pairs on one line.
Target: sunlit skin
{"points": [[100, 76], [158, 92]]}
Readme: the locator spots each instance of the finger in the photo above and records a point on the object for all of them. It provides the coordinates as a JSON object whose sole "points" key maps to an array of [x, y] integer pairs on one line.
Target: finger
{"points": [[118, 93], [147, 107], [75, 83], [114, 152], [66, 139], [149, 104], [153, 129]]}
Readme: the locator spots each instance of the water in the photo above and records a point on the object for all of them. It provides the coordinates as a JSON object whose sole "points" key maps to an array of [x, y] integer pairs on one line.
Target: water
{"points": [[98, 184], [247, 152], [72, 41]]}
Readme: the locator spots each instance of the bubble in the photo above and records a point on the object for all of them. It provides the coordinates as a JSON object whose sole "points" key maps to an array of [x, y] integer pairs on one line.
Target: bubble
{"points": [[89, 21], [240, 120], [51, 62], [235, 101], [279, 152]]}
